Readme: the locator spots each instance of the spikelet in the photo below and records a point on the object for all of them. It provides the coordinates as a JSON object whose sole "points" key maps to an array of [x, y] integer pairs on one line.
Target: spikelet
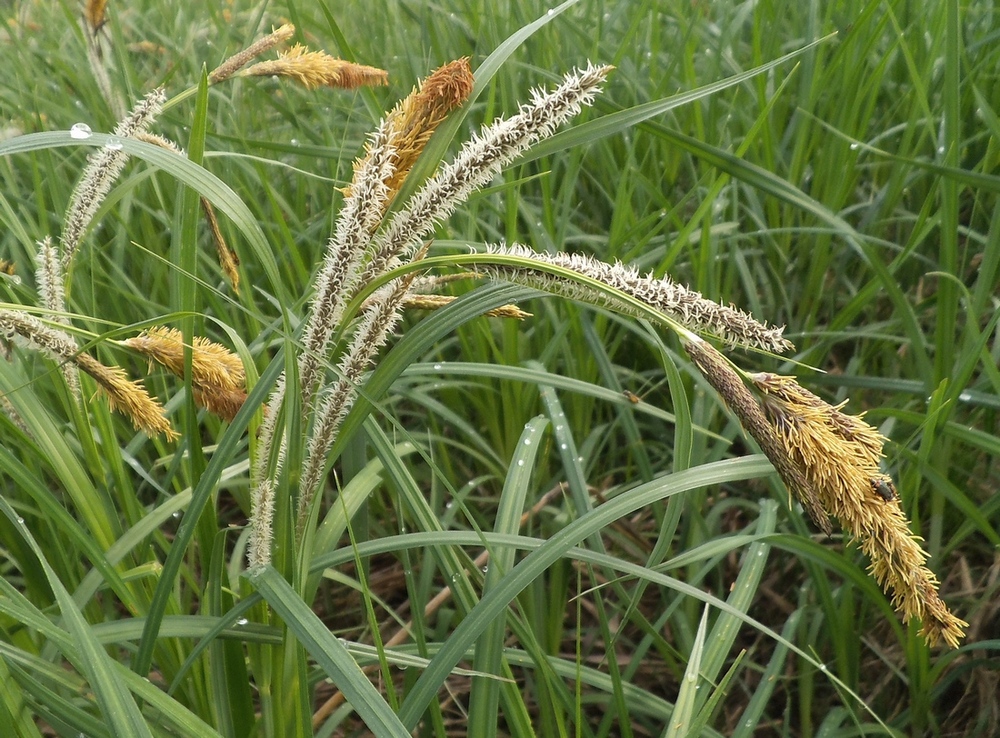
{"points": [[391, 151], [679, 303], [830, 460], [478, 162], [727, 382], [840, 456], [240, 59], [436, 302], [94, 14], [314, 69], [129, 397], [217, 375], [212, 364], [228, 259], [419, 114], [261, 522], [103, 168]]}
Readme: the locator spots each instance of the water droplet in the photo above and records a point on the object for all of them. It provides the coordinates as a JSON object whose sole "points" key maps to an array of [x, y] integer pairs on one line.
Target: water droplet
{"points": [[527, 441], [563, 446], [114, 144], [855, 146], [294, 142], [550, 11], [965, 396], [242, 621], [486, 568], [448, 505], [80, 131], [454, 577], [437, 367], [940, 149], [822, 667], [176, 515], [20, 520], [520, 462]]}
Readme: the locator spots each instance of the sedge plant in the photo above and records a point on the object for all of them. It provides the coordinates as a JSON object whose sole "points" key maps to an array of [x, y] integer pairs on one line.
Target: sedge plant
{"points": [[313, 444]]}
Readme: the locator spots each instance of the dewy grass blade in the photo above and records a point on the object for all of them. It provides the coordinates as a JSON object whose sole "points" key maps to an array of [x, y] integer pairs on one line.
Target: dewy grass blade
{"points": [[484, 697], [687, 697]]}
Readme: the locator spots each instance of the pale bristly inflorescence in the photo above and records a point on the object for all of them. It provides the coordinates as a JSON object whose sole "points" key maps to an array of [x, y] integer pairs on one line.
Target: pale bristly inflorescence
{"points": [[103, 168], [679, 303], [478, 162]]}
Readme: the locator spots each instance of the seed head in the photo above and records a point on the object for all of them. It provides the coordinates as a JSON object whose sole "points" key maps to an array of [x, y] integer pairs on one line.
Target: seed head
{"points": [[314, 69]]}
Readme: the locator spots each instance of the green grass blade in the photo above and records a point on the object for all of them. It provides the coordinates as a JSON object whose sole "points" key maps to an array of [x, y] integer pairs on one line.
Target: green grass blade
{"points": [[329, 653], [527, 570], [484, 698]]}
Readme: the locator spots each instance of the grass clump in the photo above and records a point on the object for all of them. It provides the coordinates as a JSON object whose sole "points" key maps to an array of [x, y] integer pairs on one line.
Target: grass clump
{"points": [[369, 500]]}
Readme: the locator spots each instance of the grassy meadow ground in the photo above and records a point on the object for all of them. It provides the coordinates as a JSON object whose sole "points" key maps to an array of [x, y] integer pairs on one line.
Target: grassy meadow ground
{"points": [[663, 584]]}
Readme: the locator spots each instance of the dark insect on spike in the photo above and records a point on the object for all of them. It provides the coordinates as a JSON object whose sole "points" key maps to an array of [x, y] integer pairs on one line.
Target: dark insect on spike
{"points": [[885, 489]]}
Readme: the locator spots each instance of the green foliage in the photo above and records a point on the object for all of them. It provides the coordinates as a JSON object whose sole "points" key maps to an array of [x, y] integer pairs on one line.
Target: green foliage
{"points": [[634, 581]]}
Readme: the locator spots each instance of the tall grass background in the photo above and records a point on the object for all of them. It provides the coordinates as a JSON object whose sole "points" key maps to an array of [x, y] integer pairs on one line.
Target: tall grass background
{"points": [[663, 585]]}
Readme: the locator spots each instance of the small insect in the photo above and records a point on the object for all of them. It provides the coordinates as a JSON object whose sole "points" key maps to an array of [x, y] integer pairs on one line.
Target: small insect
{"points": [[885, 489], [632, 397]]}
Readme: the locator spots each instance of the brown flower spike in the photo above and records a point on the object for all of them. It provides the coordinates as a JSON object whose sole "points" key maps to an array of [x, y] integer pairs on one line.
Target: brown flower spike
{"points": [[830, 460]]}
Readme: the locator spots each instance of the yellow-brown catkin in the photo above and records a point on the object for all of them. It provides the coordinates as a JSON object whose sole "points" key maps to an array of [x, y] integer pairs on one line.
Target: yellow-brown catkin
{"points": [[212, 364], [418, 115], [128, 397], [413, 121], [228, 259], [839, 454], [436, 302], [314, 69], [94, 14], [730, 386], [222, 402]]}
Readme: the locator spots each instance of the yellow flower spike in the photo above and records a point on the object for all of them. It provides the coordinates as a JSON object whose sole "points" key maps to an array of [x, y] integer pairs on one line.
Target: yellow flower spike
{"points": [[222, 402], [314, 69], [839, 454], [418, 115], [212, 364], [435, 302], [94, 14], [127, 397], [229, 261]]}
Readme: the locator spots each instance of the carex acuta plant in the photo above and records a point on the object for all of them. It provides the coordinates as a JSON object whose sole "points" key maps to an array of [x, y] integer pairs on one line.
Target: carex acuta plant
{"points": [[829, 460]]}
